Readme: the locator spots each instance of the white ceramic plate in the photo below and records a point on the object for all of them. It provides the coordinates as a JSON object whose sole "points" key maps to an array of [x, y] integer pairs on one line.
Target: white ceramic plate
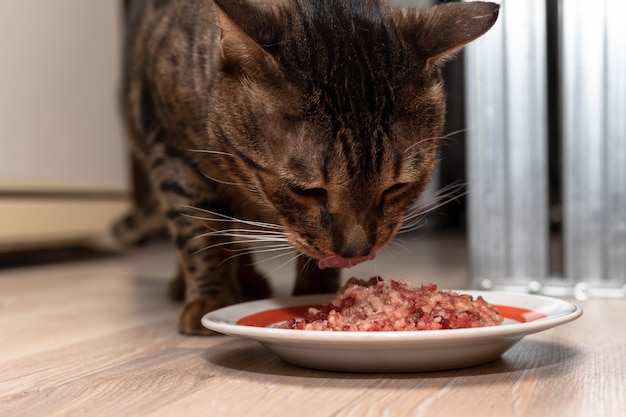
{"points": [[408, 351]]}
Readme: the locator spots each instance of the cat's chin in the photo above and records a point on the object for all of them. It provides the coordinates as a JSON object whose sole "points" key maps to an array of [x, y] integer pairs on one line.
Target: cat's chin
{"points": [[337, 261]]}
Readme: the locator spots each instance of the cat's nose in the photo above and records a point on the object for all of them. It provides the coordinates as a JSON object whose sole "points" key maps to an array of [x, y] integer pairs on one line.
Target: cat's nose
{"points": [[355, 243], [351, 249]]}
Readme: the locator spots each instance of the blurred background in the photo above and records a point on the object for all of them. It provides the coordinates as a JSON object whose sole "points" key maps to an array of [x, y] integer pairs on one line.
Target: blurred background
{"points": [[64, 171]]}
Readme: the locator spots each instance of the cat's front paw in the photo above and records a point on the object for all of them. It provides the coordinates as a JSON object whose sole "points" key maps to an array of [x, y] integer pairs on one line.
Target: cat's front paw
{"points": [[189, 322]]}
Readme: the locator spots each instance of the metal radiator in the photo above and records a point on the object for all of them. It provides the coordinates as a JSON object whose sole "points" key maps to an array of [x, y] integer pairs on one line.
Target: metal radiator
{"points": [[508, 143]]}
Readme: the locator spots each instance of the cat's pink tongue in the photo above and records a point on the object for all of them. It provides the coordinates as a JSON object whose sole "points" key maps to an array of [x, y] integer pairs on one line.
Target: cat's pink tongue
{"points": [[336, 261]]}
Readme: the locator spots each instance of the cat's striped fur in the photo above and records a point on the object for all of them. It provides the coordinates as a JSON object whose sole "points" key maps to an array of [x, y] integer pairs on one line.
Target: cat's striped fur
{"points": [[321, 117]]}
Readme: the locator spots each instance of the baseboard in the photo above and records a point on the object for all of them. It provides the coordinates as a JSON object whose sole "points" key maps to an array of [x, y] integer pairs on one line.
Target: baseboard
{"points": [[35, 221]]}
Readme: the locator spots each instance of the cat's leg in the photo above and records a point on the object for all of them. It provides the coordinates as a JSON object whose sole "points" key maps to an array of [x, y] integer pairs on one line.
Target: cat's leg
{"points": [[208, 268], [312, 280], [146, 220], [209, 264], [253, 284], [142, 222]]}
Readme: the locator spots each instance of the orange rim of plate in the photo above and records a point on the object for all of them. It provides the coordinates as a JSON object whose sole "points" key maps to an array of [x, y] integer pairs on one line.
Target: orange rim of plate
{"points": [[278, 315]]}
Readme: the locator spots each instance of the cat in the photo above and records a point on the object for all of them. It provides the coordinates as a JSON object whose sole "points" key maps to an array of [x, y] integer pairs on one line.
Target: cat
{"points": [[309, 122]]}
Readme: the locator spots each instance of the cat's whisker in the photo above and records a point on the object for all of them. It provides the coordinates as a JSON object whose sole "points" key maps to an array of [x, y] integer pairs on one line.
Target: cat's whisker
{"points": [[252, 251], [415, 223], [269, 249], [415, 217], [305, 265], [244, 240], [239, 184], [418, 219], [287, 262], [420, 142], [397, 243], [448, 136], [420, 210], [244, 233], [284, 250], [251, 235], [454, 133], [249, 231], [235, 246], [259, 233], [219, 217], [250, 239], [258, 229], [209, 151]]}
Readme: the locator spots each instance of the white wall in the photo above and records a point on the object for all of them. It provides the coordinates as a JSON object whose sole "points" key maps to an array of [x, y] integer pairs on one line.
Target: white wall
{"points": [[59, 66]]}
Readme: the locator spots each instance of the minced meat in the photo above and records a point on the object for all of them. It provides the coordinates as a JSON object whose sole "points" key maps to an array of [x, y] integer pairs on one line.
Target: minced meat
{"points": [[378, 305]]}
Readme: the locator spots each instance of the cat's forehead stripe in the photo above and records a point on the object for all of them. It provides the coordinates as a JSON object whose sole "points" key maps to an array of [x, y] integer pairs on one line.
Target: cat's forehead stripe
{"points": [[344, 48], [326, 168], [351, 71]]}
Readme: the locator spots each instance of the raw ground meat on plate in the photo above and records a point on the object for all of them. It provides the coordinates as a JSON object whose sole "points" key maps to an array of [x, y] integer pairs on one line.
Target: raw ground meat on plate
{"points": [[379, 305]]}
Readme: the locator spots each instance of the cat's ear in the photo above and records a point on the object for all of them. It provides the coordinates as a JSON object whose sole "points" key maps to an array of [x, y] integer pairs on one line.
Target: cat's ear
{"points": [[440, 31], [239, 50]]}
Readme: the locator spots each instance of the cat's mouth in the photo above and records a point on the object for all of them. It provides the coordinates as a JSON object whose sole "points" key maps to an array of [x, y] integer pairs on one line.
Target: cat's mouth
{"points": [[337, 261]]}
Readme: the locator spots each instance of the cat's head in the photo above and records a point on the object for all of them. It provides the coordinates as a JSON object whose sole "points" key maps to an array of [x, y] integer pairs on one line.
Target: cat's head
{"points": [[331, 111]]}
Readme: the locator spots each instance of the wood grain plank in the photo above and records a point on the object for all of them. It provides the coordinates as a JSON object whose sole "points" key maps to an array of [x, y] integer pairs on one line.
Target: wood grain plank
{"points": [[98, 339]]}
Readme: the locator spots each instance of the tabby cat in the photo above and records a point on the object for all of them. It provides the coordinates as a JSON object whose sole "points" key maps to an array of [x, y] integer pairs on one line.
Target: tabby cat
{"points": [[314, 122]]}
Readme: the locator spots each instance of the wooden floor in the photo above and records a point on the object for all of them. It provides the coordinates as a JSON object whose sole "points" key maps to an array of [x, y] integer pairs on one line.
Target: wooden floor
{"points": [[97, 338]]}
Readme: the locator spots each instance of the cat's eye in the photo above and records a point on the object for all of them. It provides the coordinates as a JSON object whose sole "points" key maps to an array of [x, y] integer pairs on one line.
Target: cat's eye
{"points": [[316, 193]]}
